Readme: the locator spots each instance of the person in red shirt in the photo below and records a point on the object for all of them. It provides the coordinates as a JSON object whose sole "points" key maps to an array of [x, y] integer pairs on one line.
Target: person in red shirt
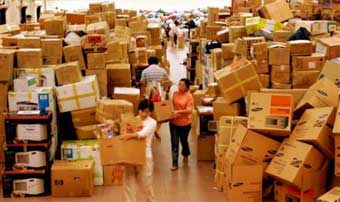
{"points": [[180, 124]]}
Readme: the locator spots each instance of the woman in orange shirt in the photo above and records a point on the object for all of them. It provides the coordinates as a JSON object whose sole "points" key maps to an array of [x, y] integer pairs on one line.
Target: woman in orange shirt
{"points": [[180, 124]]}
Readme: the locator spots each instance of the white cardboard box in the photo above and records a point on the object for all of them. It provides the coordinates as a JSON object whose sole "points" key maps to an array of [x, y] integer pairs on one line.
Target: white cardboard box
{"points": [[25, 84], [45, 76]]}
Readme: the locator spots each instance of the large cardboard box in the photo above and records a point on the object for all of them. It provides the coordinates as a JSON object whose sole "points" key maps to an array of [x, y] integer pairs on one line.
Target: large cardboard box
{"points": [[301, 47], [315, 27], [330, 47], [118, 75], [236, 79], [163, 111], [101, 75], [29, 42], [321, 94], [52, 47], [55, 26], [278, 10], [44, 76], [72, 178], [112, 109], [248, 147], [29, 58], [236, 32], [280, 74], [116, 151], [297, 94], [222, 108], [206, 148], [96, 60], [293, 161], [271, 113], [281, 36], [98, 28], [68, 73], [84, 150], [6, 64], [227, 51], [315, 127], [84, 117], [304, 79], [331, 70], [279, 54], [304, 63], [129, 94], [80, 95], [86, 132], [331, 196], [74, 53], [9, 41], [113, 175]]}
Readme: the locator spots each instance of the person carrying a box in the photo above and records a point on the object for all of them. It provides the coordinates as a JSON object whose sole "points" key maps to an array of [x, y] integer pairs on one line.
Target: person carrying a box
{"points": [[144, 173], [180, 124]]}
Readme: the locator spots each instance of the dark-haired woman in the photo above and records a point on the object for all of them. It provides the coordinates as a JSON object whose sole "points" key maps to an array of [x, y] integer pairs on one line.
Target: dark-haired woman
{"points": [[180, 124]]}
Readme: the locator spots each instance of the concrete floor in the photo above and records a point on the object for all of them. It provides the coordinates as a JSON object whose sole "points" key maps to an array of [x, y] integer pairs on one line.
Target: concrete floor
{"points": [[194, 182]]}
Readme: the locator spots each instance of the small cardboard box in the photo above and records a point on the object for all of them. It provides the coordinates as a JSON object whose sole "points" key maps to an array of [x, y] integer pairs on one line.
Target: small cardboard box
{"points": [[217, 59], [55, 26], [113, 175], [278, 10], [6, 64], [129, 94], [304, 79], [222, 108], [331, 70], [25, 84], [116, 151], [271, 113], [118, 75], [101, 75], [321, 94], [163, 110], [293, 161], [206, 148], [236, 32], [265, 80], [86, 132], [236, 79], [227, 51], [332, 196], [80, 95], [330, 47], [112, 109], [52, 47], [281, 36], [248, 147], [84, 117], [280, 74], [301, 47], [29, 42], [72, 178], [315, 127], [279, 55], [296, 93], [304, 63], [262, 66], [96, 61], [74, 53], [260, 50], [29, 58], [68, 73]]}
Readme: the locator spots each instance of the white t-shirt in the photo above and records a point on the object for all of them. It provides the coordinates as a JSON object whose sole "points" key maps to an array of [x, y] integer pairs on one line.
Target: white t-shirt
{"points": [[149, 127]]}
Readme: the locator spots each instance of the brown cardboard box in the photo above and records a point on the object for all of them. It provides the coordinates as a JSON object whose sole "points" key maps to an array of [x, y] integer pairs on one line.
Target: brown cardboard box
{"points": [[331, 70], [114, 52], [74, 53], [271, 113], [29, 42], [330, 47], [206, 148], [245, 183], [6, 64], [52, 60], [336, 129], [280, 74], [112, 109], [304, 79], [198, 95], [278, 10], [236, 79], [281, 86], [222, 108], [89, 19], [227, 51], [260, 50], [321, 94], [296, 93], [163, 110], [118, 75], [102, 79], [262, 66], [52, 47], [96, 61], [84, 117], [304, 63], [129, 123], [72, 178], [129, 94], [68, 73], [281, 36], [248, 147], [265, 80], [86, 132], [301, 47], [236, 32], [3, 99], [75, 18], [279, 55], [29, 58], [337, 150], [331, 196], [217, 58], [293, 161], [9, 41], [213, 90], [95, 8], [98, 28], [55, 26], [117, 151], [113, 175], [142, 56], [223, 35]]}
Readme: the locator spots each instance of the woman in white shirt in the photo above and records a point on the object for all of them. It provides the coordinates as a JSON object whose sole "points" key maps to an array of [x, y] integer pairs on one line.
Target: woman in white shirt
{"points": [[143, 173]]}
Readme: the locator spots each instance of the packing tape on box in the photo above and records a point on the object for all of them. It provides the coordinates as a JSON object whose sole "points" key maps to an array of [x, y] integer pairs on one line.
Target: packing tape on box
{"points": [[240, 83]]}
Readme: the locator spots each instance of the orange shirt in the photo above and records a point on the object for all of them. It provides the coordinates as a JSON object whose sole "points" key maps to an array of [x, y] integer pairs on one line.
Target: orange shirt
{"points": [[182, 102]]}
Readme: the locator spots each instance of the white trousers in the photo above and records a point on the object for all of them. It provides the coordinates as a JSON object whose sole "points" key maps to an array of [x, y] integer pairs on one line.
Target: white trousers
{"points": [[139, 174]]}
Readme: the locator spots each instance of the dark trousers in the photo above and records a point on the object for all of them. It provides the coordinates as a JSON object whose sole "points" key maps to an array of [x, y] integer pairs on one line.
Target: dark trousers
{"points": [[179, 134], [175, 39]]}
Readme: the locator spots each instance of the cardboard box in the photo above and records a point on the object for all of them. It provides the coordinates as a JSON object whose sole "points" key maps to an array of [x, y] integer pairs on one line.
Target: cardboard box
{"points": [[116, 151], [9, 41], [262, 66], [80, 95], [75, 18], [118, 75], [281, 36], [96, 61], [271, 113], [265, 80], [206, 148], [293, 161], [51, 60], [301, 47], [281, 86], [95, 8], [235, 80], [6, 64], [52, 47], [260, 50], [72, 178], [245, 183], [278, 10], [112, 109], [331, 70], [113, 175], [98, 28], [116, 52], [337, 150], [331, 196], [213, 90], [330, 47], [321, 94], [101, 75], [68, 73], [227, 51], [28, 42], [29, 58], [248, 147], [74, 53], [315, 27], [84, 117], [280, 74], [44, 76], [279, 55], [297, 94], [217, 58], [86, 132], [315, 127], [198, 95], [163, 111], [55, 26], [3, 101], [304, 63], [222, 108], [129, 94], [304, 79], [25, 84], [236, 32]]}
